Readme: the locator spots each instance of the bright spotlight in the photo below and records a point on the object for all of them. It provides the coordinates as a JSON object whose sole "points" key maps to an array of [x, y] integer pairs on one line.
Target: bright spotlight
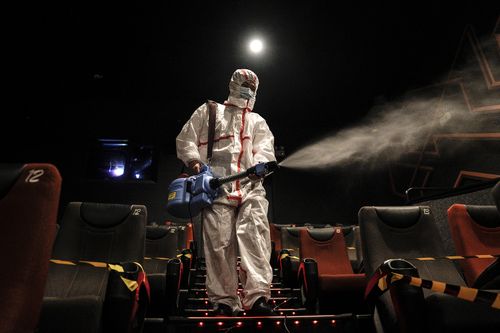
{"points": [[256, 46]]}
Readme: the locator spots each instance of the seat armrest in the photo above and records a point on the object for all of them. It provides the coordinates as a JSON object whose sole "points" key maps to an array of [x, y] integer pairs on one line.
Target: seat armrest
{"points": [[408, 301], [309, 284], [490, 277], [274, 257], [127, 298], [174, 276], [289, 268], [186, 258]]}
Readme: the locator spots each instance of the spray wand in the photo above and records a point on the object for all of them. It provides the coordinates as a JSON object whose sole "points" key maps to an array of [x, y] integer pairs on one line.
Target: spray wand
{"points": [[188, 196]]}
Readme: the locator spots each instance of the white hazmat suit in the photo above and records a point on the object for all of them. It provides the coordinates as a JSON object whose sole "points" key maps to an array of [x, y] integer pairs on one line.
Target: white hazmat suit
{"points": [[238, 217]]}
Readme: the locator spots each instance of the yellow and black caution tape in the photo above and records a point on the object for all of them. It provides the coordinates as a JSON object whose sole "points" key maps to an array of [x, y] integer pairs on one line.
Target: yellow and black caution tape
{"points": [[287, 255], [79, 262], [187, 255], [469, 294], [284, 255], [384, 277], [476, 256], [157, 258], [131, 284]]}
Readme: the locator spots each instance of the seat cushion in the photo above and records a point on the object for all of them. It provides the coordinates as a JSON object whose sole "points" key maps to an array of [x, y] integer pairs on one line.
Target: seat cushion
{"points": [[74, 298], [449, 314], [156, 271], [58, 314], [342, 293]]}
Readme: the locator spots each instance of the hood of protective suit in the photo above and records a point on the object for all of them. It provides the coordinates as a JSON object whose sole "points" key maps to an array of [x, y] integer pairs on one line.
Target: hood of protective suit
{"points": [[239, 77]]}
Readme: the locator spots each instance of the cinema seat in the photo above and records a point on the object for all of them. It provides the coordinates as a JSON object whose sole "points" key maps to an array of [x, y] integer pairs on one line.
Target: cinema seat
{"points": [[29, 201], [410, 232], [163, 268], [186, 247], [83, 293], [352, 239], [339, 290], [475, 230], [185, 239], [289, 256], [275, 244], [495, 193]]}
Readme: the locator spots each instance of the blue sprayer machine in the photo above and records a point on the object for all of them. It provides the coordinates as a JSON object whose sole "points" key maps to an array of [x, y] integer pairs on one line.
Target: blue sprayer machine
{"points": [[188, 196]]}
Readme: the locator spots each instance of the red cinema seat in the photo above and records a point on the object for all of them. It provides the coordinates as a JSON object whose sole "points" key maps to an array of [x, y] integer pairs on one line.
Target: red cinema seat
{"points": [[475, 231], [339, 289], [29, 201]]}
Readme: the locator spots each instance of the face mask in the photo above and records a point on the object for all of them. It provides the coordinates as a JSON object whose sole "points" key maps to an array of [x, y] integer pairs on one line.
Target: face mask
{"points": [[246, 93]]}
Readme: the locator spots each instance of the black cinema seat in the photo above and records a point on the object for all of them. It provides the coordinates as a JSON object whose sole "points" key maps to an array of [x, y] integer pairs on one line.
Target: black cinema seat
{"points": [[275, 244], [29, 201], [163, 268], [495, 192], [352, 239], [410, 232], [82, 293], [289, 256]]}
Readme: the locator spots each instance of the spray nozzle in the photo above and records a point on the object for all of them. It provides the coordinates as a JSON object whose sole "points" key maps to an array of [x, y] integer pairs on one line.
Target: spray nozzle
{"points": [[263, 169]]}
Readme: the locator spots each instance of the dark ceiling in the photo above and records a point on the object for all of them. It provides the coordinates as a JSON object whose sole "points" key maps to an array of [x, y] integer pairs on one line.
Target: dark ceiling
{"points": [[138, 70]]}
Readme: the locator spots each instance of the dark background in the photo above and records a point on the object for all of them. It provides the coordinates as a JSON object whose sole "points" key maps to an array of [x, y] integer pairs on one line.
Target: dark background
{"points": [[131, 70]]}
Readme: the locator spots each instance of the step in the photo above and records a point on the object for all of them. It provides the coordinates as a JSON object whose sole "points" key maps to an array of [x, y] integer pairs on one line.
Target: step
{"points": [[279, 298], [204, 303], [275, 292], [276, 323], [273, 288], [202, 278], [196, 284], [208, 312]]}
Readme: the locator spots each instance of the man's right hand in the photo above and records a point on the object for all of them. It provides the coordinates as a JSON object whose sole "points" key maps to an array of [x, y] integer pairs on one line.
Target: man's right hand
{"points": [[195, 166]]}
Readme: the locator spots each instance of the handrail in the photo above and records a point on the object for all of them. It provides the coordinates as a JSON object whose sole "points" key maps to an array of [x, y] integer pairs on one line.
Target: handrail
{"points": [[421, 188], [449, 191]]}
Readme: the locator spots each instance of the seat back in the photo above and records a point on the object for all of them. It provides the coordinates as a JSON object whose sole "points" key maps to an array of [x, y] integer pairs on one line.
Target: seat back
{"points": [[162, 241], [353, 243], [102, 232], [495, 193], [29, 201], [327, 247], [275, 236], [161, 246], [290, 239], [89, 297], [190, 243], [185, 236], [475, 230], [403, 232]]}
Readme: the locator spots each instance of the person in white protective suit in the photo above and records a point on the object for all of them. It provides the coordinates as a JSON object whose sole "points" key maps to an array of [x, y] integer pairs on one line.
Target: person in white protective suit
{"points": [[238, 217]]}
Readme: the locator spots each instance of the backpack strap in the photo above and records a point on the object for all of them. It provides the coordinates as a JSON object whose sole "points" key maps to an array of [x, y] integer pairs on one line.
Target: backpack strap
{"points": [[212, 109]]}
